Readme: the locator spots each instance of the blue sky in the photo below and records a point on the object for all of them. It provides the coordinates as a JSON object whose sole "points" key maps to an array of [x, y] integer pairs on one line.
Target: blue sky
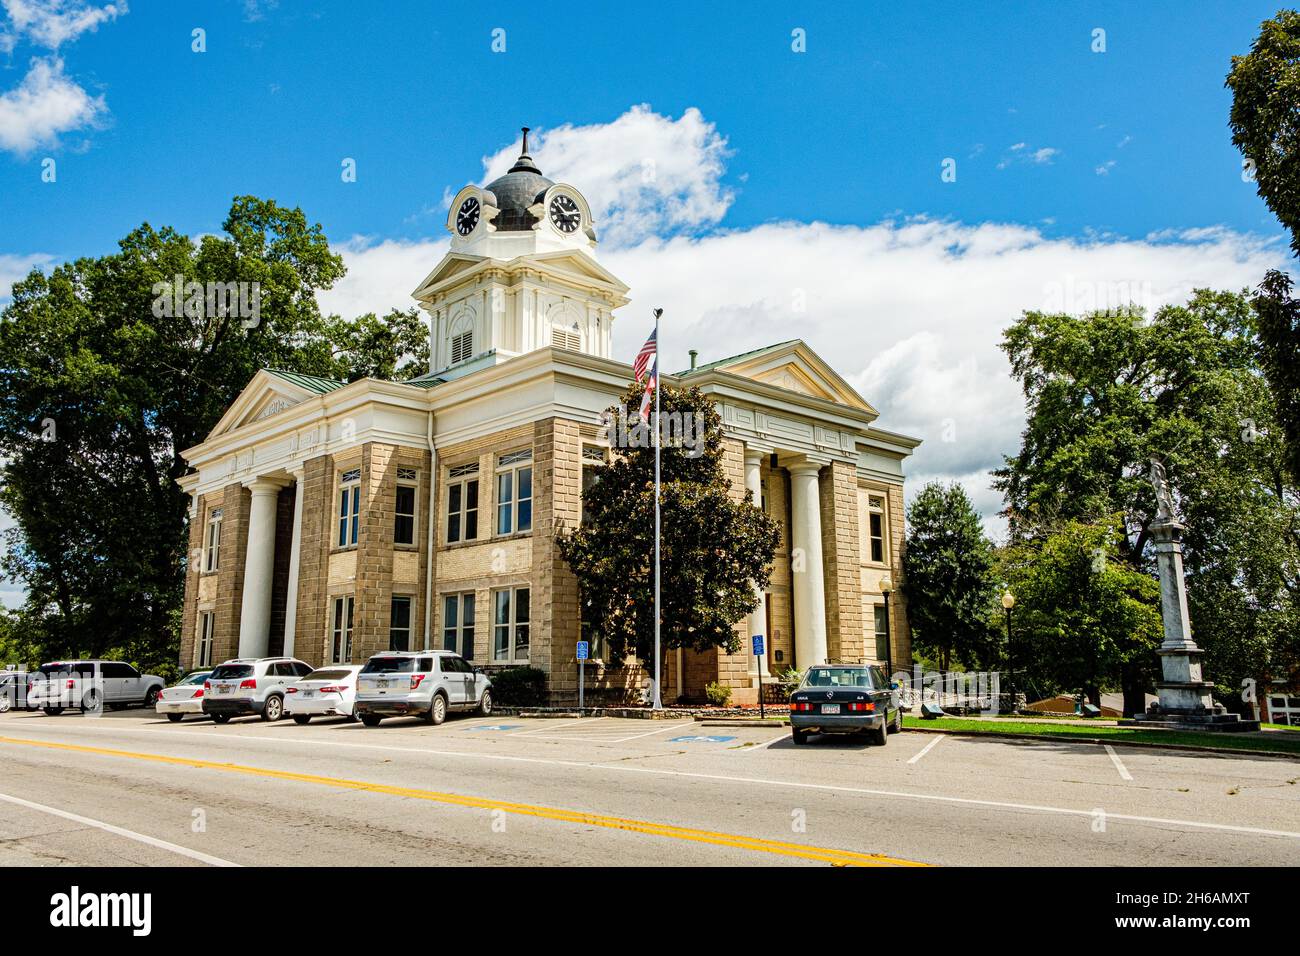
{"points": [[852, 131], [791, 193]]}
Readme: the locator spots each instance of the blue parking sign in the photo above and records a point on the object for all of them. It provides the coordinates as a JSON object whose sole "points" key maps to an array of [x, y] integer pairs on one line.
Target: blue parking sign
{"points": [[758, 645], [583, 647]]}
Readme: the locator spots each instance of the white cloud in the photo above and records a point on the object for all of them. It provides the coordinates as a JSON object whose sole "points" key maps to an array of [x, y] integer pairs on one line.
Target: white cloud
{"points": [[51, 23], [1024, 153], [1105, 168], [44, 106], [645, 174], [15, 267]]}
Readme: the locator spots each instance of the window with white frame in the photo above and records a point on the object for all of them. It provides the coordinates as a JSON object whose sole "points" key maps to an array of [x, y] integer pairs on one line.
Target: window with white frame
{"points": [[882, 632], [458, 624], [349, 507], [462, 503], [873, 526], [593, 460], [399, 624], [515, 492], [408, 483], [341, 631], [462, 346], [510, 624], [203, 648], [212, 543]]}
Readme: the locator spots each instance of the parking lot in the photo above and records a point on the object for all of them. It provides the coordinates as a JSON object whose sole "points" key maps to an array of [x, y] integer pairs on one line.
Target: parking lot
{"points": [[127, 787]]}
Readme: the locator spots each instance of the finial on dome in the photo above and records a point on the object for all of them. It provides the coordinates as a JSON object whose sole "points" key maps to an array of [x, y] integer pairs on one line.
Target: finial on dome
{"points": [[525, 162]]}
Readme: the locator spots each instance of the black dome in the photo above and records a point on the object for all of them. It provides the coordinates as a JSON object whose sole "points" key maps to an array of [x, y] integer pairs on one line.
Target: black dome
{"points": [[517, 190]]}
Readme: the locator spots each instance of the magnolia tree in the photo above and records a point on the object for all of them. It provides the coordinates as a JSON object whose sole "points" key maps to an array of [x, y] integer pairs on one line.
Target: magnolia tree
{"points": [[715, 549]]}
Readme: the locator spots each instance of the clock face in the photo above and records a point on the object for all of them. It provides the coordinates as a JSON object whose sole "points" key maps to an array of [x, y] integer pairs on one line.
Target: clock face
{"points": [[565, 214], [467, 216]]}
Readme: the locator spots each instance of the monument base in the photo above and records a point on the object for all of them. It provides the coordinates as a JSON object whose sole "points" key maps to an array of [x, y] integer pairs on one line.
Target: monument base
{"points": [[1213, 719]]}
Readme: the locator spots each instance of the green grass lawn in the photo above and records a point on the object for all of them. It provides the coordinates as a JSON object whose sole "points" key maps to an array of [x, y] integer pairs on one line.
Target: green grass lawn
{"points": [[1274, 743]]}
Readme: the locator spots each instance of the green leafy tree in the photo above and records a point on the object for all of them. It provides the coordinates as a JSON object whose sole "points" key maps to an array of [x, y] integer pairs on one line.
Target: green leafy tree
{"points": [[1083, 615], [1108, 391], [948, 578], [1265, 86], [715, 549], [103, 383]]}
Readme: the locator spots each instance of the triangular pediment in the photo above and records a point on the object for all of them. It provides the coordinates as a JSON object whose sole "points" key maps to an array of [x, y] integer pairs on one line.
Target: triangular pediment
{"points": [[452, 265], [797, 368], [269, 393], [563, 264]]}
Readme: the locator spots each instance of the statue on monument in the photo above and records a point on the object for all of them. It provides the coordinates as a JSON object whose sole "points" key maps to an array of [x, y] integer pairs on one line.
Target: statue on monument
{"points": [[1164, 499]]}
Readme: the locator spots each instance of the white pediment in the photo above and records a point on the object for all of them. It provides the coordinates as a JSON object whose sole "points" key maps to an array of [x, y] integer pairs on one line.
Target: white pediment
{"points": [[797, 368], [265, 395]]}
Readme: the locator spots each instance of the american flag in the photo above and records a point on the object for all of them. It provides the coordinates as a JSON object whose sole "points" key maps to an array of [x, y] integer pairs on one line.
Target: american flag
{"points": [[652, 382], [644, 356]]}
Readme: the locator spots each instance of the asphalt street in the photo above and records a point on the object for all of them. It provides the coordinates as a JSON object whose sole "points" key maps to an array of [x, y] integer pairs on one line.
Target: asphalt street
{"points": [[130, 789]]}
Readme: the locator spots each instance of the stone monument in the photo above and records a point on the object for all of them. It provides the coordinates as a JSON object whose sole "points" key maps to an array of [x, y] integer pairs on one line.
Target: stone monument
{"points": [[1185, 700]]}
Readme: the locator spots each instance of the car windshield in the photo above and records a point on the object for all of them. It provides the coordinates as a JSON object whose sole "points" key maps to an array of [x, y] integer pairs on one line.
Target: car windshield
{"points": [[328, 675], [840, 677], [389, 665], [55, 670], [198, 677], [230, 671]]}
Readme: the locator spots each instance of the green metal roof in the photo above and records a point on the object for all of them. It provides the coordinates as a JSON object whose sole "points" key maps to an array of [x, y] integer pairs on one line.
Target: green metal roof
{"points": [[313, 383], [424, 381], [736, 358]]}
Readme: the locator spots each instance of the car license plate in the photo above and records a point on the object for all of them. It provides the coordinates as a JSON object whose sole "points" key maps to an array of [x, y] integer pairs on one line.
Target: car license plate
{"points": [[225, 688], [309, 693], [382, 684], [830, 708]]}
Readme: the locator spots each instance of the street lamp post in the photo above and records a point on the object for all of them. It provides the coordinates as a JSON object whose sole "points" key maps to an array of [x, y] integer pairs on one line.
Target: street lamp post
{"points": [[886, 585], [1008, 602]]}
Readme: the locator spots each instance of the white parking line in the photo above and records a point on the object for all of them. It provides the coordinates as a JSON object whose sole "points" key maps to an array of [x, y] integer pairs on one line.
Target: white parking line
{"points": [[1119, 764], [926, 749], [119, 831], [543, 730], [763, 746]]}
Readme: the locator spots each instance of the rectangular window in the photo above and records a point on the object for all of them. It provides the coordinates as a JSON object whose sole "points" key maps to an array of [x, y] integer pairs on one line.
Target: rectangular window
{"points": [[203, 652], [404, 519], [212, 557], [458, 624], [882, 633], [349, 506], [876, 529], [341, 632], [593, 460], [462, 346], [462, 503], [515, 492], [399, 627], [510, 625]]}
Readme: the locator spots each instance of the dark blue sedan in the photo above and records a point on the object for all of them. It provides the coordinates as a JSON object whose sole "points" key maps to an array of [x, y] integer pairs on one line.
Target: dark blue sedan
{"points": [[845, 699]]}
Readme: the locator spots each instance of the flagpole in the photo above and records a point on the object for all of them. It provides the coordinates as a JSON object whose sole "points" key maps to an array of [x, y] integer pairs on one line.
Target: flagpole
{"points": [[658, 700]]}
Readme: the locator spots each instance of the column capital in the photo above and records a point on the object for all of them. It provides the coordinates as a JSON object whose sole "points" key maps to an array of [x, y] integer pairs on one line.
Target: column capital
{"points": [[805, 467], [754, 454], [264, 485]]}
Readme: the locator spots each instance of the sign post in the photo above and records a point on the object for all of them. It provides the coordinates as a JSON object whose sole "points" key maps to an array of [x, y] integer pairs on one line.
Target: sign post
{"points": [[758, 653], [583, 650]]}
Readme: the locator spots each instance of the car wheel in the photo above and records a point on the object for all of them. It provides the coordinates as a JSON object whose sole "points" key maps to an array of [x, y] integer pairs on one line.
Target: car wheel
{"points": [[898, 721], [799, 736], [91, 701], [881, 736], [437, 710], [371, 720], [221, 718], [175, 718], [273, 709], [52, 711], [151, 696], [485, 705], [4, 704], [301, 719]]}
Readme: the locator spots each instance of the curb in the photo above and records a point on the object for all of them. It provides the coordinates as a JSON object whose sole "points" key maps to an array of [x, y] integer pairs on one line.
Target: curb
{"points": [[740, 722], [1073, 738]]}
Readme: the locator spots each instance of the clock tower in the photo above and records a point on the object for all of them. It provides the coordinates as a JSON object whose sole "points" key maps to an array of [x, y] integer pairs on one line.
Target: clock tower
{"points": [[521, 274]]}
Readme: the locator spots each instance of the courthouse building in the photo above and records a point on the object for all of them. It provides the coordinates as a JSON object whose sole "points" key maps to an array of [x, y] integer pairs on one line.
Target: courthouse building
{"points": [[331, 520]]}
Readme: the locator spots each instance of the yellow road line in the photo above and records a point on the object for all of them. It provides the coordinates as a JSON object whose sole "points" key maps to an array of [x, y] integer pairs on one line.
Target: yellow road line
{"points": [[798, 850]]}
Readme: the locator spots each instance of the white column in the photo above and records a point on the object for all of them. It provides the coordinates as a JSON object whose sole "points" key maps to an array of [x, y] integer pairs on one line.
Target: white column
{"points": [[259, 566], [757, 617], [291, 598], [806, 566]]}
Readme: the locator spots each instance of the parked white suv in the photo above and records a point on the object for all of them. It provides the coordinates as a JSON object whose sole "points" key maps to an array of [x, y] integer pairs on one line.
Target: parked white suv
{"points": [[428, 684], [250, 685], [90, 686]]}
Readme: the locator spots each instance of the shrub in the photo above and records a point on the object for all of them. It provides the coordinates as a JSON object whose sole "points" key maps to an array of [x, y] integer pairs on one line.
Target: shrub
{"points": [[519, 687], [790, 679], [718, 694]]}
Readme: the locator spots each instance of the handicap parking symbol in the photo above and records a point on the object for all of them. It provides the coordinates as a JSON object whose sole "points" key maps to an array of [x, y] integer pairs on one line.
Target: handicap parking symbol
{"points": [[496, 727], [698, 739]]}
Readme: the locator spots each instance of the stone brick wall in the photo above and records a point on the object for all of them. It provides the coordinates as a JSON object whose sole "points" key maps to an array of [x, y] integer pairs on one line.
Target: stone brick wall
{"points": [[780, 599], [193, 566], [373, 590], [845, 637], [557, 507], [900, 634], [235, 503], [313, 559]]}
